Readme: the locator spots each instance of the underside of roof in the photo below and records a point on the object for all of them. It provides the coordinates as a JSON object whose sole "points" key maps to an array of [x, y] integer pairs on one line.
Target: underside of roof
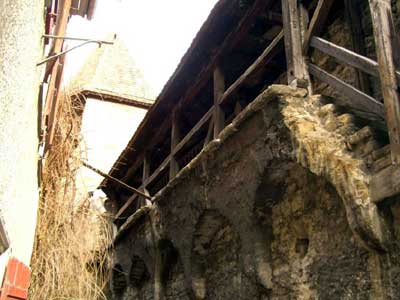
{"points": [[223, 19], [111, 73]]}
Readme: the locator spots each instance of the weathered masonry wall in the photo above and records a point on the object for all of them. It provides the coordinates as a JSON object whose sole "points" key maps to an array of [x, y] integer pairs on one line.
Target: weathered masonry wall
{"points": [[278, 207], [21, 29]]}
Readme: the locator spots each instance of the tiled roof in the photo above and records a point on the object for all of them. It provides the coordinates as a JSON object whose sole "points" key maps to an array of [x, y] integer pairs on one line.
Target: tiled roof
{"points": [[110, 70]]}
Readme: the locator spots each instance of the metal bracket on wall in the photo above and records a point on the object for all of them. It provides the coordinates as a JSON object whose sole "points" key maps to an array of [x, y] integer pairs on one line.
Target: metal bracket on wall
{"points": [[85, 42]]}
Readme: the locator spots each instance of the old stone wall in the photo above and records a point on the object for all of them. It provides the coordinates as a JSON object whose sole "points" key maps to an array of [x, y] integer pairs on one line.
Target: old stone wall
{"points": [[279, 207]]}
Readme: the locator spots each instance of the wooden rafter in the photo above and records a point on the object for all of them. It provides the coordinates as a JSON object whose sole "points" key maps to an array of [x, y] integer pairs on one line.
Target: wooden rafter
{"points": [[348, 57], [117, 181], [317, 21], [359, 100]]}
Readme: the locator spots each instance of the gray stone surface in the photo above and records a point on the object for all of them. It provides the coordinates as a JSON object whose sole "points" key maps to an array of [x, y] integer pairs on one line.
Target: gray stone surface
{"points": [[277, 208]]}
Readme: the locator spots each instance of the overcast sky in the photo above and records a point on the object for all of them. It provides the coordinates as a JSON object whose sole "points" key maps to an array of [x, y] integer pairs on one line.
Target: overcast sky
{"points": [[156, 32]]}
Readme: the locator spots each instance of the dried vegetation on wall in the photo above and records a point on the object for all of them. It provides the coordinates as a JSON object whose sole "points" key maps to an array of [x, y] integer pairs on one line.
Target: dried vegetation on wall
{"points": [[69, 259]]}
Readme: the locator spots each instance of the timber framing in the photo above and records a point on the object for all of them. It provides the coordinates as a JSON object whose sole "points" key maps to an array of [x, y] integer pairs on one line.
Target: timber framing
{"points": [[111, 97], [206, 91]]}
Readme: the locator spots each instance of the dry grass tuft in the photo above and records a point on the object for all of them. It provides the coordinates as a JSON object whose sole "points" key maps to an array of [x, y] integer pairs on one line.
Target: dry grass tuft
{"points": [[69, 258]]}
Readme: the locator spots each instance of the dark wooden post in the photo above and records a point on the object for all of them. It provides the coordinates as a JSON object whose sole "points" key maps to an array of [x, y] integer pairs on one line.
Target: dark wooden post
{"points": [[145, 176], [175, 138], [146, 168], [382, 21], [293, 24], [210, 132], [219, 89], [317, 21], [354, 22]]}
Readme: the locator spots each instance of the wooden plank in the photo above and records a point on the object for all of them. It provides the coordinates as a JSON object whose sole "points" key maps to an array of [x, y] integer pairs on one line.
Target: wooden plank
{"points": [[49, 109], [175, 138], [382, 21], [296, 66], [255, 68], [181, 144], [63, 14], [382, 152], [304, 18], [219, 89], [354, 22], [126, 186], [348, 57], [126, 205], [317, 21], [135, 198], [55, 103], [55, 67], [134, 167], [359, 100], [385, 184], [193, 131], [157, 172]]}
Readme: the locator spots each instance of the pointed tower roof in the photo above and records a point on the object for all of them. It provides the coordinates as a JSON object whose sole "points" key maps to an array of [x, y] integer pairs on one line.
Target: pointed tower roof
{"points": [[111, 71]]}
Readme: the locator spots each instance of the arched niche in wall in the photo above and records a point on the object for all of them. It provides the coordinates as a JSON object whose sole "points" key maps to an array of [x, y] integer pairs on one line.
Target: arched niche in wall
{"points": [[217, 271], [313, 245], [270, 191], [172, 273], [119, 282], [140, 285]]}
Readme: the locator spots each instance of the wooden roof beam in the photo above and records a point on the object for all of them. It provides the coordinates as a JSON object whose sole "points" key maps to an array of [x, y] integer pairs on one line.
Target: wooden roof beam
{"points": [[205, 75]]}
